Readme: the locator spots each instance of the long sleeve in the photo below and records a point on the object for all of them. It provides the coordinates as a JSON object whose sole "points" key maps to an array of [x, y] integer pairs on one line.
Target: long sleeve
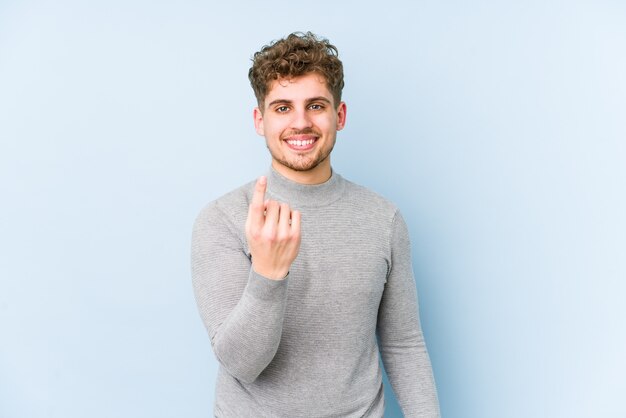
{"points": [[401, 340], [243, 312]]}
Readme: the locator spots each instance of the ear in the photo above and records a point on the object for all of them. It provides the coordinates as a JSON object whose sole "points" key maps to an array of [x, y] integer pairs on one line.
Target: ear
{"points": [[258, 121], [341, 115]]}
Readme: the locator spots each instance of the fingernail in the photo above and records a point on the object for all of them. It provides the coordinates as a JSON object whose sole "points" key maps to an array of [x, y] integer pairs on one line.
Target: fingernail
{"points": [[262, 180]]}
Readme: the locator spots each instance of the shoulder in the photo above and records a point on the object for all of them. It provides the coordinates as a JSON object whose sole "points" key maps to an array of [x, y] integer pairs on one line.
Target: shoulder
{"points": [[378, 215], [370, 201], [231, 208]]}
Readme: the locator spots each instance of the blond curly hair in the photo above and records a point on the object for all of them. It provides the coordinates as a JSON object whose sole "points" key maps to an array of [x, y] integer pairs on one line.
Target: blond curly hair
{"points": [[297, 54]]}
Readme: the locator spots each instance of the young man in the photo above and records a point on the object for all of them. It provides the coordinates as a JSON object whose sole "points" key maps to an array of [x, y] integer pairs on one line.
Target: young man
{"points": [[297, 274]]}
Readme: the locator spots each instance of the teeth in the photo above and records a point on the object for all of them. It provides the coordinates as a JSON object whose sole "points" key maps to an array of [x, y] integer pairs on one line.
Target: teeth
{"points": [[299, 143]]}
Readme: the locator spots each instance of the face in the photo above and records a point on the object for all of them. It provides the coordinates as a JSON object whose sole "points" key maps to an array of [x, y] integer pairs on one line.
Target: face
{"points": [[299, 121]]}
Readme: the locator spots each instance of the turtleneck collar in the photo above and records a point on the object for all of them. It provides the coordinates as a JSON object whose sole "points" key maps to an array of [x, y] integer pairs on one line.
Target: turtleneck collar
{"points": [[303, 195]]}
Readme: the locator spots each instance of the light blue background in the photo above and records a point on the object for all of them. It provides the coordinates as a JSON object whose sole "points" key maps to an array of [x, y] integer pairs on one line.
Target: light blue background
{"points": [[499, 129]]}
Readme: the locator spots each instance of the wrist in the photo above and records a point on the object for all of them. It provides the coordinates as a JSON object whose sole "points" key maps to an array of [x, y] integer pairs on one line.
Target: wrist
{"points": [[269, 273]]}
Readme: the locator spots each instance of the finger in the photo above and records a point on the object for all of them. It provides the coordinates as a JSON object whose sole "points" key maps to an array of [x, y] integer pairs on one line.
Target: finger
{"points": [[295, 222], [259, 190], [271, 216], [257, 205], [284, 220]]}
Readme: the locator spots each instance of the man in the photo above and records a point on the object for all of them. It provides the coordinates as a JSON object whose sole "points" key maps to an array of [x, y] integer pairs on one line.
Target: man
{"points": [[297, 274]]}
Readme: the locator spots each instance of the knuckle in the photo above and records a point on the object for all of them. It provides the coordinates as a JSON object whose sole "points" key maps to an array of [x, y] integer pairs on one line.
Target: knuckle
{"points": [[269, 236]]}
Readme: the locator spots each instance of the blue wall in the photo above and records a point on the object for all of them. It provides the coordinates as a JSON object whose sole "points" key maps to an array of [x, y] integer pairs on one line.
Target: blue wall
{"points": [[498, 128]]}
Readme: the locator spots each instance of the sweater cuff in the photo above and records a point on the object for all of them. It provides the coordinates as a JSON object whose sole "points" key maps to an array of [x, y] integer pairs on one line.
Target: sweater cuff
{"points": [[263, 288]]}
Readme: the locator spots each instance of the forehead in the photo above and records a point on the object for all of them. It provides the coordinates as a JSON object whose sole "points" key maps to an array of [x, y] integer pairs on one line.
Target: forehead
{"points": [[298, 88]]}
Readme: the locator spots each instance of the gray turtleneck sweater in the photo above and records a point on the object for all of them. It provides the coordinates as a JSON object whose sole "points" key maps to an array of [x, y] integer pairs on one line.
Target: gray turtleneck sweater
{"points": [[306, 346]]}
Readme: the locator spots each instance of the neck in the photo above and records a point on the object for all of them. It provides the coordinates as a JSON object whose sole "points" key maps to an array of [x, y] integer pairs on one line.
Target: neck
{"points": [[318, 175], [299, 195]]}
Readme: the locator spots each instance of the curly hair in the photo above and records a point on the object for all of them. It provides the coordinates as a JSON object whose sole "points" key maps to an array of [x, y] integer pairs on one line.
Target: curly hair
{"points": [[297, 54]]}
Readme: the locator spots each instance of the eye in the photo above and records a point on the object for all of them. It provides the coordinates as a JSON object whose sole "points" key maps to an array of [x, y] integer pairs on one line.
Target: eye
{"points": [[316, 106], [282, 109]]}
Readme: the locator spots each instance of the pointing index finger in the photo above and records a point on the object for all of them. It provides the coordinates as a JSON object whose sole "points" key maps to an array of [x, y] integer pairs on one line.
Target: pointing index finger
{"points": [[257, 204], [258, 197]]}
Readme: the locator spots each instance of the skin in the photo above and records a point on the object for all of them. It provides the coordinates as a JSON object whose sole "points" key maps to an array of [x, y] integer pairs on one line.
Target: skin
{"points": [[273, 234], [300, 108]]}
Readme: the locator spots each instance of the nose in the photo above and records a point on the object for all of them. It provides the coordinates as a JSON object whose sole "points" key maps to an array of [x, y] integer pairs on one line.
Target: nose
{"points": [[301, 120]]}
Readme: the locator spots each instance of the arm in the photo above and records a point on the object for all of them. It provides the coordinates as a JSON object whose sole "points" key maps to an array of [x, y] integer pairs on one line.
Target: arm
{"points": [[401, 340], [241, 309]]}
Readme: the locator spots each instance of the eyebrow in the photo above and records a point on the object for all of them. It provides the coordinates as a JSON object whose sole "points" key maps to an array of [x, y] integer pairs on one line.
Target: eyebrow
{"points": [[312, 99]]}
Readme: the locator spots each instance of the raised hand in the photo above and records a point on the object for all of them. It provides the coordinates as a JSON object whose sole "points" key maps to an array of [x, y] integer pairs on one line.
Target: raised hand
{"points": [[273, 234]]}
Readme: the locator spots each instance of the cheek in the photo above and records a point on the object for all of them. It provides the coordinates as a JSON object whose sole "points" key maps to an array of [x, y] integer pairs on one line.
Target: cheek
{"points": [[273, 128], [274, 132], [328, 125], [323, 123]]}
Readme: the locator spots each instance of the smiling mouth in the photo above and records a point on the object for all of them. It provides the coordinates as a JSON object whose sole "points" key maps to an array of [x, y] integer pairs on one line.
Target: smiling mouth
{"points": [[302, 143]]}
